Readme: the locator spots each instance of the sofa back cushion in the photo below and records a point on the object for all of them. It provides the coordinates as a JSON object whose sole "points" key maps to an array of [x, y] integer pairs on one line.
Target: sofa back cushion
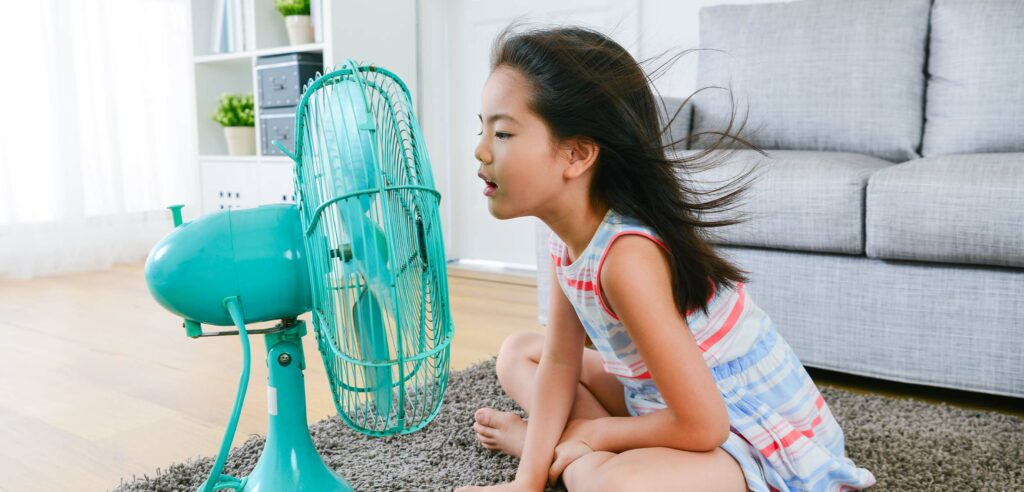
{"points": [[835, 75], [975, 78]]}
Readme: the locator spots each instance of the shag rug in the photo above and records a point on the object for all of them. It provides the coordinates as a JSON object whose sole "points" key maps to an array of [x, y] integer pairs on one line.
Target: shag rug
{"points": [[908, 444]]}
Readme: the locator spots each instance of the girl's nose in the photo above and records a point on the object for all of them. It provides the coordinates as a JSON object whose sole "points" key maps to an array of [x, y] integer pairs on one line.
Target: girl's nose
{"points": [[482, 155]]}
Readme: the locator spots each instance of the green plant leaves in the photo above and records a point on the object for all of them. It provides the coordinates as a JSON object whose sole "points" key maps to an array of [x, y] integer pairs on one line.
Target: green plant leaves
{"points": [[235, 110], [292, 7]]}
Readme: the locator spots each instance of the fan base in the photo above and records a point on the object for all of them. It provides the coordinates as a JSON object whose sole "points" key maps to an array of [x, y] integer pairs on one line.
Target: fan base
{"points": [[278, 474], [289, 461]]}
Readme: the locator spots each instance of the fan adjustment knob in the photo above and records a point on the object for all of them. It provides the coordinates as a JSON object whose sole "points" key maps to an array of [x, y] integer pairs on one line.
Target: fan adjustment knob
{"points": [[345, 252], [176, 214]]}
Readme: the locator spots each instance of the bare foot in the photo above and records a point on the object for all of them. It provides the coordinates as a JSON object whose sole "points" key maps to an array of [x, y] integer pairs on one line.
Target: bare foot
{"points": [[500, 431]]}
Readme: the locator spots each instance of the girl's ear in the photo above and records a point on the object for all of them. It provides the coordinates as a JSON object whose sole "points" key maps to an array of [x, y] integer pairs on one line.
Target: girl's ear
{"points": [[581, 154]]}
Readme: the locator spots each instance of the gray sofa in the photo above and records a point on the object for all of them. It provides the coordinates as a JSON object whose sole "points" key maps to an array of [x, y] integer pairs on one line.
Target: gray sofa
{"points": [[886, 230]]}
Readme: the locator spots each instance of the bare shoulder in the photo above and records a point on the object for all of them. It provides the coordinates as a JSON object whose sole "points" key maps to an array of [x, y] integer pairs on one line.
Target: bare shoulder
{"points": [[634, 254], [635, 266]]}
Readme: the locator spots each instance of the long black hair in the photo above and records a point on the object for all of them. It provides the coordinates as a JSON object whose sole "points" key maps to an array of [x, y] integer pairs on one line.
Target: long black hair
{"points": [[584, 84]]}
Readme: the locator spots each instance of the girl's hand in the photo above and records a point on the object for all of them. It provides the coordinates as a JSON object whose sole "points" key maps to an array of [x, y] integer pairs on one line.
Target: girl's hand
{"points": [[574, 444], [505, 487]]}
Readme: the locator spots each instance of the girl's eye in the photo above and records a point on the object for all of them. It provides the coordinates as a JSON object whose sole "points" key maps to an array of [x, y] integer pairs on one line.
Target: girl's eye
{"points": [[502, 135]]}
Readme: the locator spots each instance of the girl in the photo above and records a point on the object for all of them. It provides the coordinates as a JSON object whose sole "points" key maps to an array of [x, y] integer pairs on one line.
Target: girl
{"points": [[711, 400]]}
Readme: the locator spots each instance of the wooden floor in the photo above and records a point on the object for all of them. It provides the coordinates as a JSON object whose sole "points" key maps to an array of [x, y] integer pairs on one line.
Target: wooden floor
{"points": [[98, 382]]}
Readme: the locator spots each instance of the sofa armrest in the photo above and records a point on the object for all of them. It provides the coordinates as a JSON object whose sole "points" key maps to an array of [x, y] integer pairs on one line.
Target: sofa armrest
{"points": [[680, 129]]}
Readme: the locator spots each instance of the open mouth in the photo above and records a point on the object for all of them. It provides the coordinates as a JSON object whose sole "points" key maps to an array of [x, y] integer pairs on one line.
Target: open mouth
{"points": [[490, 187]]}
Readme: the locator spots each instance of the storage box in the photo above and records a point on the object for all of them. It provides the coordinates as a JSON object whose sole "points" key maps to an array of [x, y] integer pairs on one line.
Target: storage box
{"points": [[281, 77], [277, 124]]}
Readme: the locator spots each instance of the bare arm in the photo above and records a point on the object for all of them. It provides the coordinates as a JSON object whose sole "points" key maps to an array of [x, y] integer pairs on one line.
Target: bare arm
{"points": [[557, 377], [638, 283], [660, 429]]}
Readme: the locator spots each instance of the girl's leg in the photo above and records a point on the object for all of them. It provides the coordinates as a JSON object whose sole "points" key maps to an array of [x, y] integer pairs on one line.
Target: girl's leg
{"points": [[598, 394], [656, 469]]}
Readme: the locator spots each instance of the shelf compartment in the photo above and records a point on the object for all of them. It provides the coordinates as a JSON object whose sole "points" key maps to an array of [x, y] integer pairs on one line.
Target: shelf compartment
{"points": [[213, 79]]}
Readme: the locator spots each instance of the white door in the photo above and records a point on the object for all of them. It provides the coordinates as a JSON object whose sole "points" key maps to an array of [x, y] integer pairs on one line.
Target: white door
{"points": [[473, 233]]}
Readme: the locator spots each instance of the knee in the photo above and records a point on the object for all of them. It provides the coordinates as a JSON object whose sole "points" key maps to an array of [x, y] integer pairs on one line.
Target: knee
{"points": [[518, 348], [591, 473]]}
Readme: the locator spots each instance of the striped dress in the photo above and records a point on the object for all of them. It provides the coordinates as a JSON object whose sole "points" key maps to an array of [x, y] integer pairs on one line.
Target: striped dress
{"points": [[782, 432]]}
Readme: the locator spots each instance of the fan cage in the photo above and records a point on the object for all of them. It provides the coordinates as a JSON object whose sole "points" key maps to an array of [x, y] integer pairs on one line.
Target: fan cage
{"points": [[369, 109]]}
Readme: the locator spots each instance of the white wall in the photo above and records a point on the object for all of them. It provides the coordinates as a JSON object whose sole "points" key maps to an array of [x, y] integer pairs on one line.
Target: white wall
{"points": [[381, 32]]}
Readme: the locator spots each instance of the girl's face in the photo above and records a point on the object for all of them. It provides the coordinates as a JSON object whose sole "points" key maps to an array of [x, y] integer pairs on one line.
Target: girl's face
{"points": [[516, 151]]}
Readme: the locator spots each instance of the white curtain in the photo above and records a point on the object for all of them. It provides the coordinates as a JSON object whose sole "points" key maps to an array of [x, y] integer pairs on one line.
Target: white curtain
{"points": [[97, 133]]}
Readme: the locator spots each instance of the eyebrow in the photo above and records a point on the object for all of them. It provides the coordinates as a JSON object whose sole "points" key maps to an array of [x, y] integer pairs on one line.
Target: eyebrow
{"points": [[496, 117]]}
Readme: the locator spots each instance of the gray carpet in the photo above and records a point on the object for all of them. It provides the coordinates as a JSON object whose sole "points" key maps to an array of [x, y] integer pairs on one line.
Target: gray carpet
{"points": [[907, 444]]}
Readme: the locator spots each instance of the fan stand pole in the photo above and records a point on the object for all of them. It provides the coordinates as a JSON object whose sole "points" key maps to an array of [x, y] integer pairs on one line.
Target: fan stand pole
{"points": [[289, 461]]}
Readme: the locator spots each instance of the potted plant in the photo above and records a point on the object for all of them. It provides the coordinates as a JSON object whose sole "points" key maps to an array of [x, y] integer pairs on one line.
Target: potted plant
{"points": [[235, 113], [296, 19]]}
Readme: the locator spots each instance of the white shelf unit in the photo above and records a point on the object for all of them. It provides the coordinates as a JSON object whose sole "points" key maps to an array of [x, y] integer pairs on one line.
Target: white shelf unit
{"points": [[248, 181], [229, 181]]}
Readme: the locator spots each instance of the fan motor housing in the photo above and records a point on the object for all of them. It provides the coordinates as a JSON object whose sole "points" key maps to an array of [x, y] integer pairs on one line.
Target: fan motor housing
{"points": [[256, 254]]}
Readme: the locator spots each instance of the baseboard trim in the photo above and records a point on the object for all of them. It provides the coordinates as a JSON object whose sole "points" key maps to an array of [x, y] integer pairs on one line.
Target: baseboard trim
{"points": [[493, 271]]}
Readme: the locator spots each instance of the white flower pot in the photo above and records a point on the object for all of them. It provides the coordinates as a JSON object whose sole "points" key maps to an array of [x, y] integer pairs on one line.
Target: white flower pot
{"points": [[241, 140], [300, 30]]}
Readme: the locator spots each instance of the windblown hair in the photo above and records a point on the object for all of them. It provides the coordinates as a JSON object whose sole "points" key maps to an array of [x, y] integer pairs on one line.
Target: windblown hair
{"points": [[585, 85]]}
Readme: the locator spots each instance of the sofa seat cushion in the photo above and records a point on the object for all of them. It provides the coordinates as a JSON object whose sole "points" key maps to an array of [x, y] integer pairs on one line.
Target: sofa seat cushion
{"points": [[827, 75], [955, 209], [799, 200], [975, 78]]}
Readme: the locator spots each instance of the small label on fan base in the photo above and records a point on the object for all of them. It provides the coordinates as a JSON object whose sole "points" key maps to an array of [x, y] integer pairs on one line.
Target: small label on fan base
{"points": [[271, 400]]}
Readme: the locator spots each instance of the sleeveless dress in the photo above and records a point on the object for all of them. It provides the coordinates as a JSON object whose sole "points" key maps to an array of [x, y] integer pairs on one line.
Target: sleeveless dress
{"points": [[782, 432]]}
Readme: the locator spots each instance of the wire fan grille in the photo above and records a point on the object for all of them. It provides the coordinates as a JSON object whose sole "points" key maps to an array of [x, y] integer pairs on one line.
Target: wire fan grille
{"points": [[375, 250]]}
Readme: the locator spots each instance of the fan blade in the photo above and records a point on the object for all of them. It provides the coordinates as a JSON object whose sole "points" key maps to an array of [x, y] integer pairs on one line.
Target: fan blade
{"points": [[373, 345]]}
